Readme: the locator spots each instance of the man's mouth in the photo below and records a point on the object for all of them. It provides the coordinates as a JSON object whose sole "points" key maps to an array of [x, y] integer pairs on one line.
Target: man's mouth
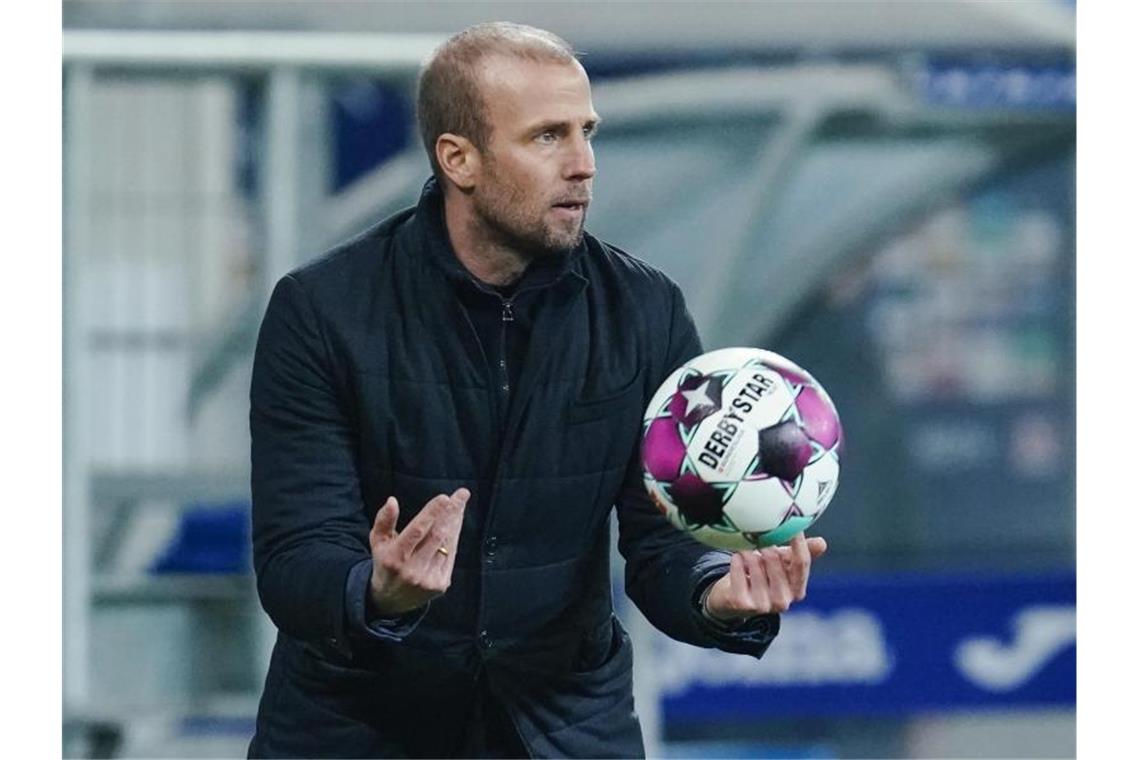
{"points": [[573, 205]]}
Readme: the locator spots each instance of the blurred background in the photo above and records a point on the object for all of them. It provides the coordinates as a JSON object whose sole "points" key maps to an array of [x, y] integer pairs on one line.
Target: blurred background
{"points": [[883, 192]]}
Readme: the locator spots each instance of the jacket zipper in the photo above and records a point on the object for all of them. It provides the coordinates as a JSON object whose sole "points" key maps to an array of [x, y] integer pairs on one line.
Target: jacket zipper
{"points": [[505, 377]]}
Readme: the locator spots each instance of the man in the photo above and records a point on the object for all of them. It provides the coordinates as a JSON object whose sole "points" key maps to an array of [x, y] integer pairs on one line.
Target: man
{"points": [[444, 411]]}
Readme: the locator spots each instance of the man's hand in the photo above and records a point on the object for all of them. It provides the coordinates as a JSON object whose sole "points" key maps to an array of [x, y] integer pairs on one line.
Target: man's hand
{"points": [[767, 580], [411, 567]]}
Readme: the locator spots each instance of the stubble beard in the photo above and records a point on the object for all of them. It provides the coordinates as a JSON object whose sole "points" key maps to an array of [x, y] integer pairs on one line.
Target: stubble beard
{"points": [[506, 218]]}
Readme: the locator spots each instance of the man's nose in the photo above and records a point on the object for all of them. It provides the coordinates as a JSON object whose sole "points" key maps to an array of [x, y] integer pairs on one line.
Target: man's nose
{"points": [[580, 162]]}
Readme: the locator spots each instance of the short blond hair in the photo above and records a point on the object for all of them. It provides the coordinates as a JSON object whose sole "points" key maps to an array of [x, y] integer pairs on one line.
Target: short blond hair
{"points": [[449, 98]]}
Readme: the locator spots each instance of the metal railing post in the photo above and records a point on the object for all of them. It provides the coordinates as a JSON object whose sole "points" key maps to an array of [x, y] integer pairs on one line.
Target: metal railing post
{"points": [[77, 229], [282, 174]]}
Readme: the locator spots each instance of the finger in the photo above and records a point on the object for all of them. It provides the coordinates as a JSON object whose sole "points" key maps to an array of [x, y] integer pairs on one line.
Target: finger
{"points": [[453, 524], [449, 522], [427, 554], [779, 590], [816, 546], [437, 552], [424, 566], [757, 584], [452, 528], [799, 546], [799, 567], [420, 526], [739, 596], [384, 526], [440, 559]]}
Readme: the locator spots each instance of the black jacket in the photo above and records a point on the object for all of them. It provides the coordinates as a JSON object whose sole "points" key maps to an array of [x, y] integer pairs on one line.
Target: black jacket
{"points": [[369, 380]]}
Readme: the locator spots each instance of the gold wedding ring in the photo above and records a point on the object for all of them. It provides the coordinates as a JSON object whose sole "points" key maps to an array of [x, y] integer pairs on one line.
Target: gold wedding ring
{"points": [[442, 550]]}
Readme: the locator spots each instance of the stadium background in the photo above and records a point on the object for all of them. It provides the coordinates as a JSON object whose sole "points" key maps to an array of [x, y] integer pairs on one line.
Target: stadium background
{"points": [[883, 192]]}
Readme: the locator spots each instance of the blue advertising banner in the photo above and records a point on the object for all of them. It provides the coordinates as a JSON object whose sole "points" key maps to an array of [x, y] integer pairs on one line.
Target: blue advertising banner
{"points": [[984, 84], [895, 644]]}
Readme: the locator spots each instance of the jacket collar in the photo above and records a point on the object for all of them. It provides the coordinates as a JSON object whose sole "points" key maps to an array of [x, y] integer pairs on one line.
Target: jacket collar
{"points": [[436, 245]]}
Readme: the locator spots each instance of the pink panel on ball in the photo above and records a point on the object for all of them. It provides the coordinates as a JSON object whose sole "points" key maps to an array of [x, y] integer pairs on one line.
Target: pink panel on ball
{"points": [[791, 372], [819, 418], [662, 451]]}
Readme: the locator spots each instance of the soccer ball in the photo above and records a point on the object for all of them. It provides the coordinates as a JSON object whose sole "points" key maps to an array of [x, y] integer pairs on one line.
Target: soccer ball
{"points": [[740, 448]]}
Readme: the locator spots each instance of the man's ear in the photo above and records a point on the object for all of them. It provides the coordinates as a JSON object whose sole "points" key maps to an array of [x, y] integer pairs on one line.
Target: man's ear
{"points": [[459, 159]]}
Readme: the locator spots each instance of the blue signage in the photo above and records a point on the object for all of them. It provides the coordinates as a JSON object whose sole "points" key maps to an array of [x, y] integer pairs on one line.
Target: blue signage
{"points": [[969, 84], [894, 644]]}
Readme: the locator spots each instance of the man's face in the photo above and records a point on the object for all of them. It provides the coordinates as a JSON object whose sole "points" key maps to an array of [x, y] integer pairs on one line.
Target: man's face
{"points": [[537, 169]]}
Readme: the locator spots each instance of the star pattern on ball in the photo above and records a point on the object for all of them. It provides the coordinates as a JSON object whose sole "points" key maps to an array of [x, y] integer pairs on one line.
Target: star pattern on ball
{"points": [[698, 398], [700, 504], [724, 524], [788, 472]]}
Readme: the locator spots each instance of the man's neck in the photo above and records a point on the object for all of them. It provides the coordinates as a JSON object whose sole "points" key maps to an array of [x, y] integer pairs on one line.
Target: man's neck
{"points": [[477, 251]]}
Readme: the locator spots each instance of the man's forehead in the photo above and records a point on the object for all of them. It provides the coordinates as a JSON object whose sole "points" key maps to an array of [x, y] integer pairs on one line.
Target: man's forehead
{"points": [[503, 76]]}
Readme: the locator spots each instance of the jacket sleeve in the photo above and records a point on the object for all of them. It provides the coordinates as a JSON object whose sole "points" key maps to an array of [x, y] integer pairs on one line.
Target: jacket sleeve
{"points": [[309, 523], [363, 622], [667, 572]]}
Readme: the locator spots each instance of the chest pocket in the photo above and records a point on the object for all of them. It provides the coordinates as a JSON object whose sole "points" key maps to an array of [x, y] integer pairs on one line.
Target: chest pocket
{"points": [[587, 408], [602, 430]]}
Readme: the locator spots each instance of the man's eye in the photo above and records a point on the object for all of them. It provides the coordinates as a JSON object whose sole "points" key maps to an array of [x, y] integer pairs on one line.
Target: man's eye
{"points": [[547, 137]]}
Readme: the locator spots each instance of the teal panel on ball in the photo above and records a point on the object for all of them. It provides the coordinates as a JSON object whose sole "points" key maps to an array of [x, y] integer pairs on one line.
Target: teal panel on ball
{"points": [[784, 533]]}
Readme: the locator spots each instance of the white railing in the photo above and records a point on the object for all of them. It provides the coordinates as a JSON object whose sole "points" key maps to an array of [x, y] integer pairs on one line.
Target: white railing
{"points": [[248, 49], [93, 57]]}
